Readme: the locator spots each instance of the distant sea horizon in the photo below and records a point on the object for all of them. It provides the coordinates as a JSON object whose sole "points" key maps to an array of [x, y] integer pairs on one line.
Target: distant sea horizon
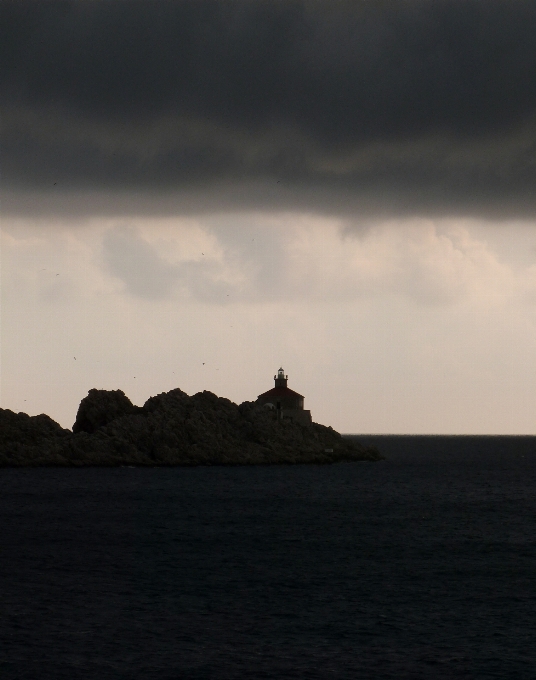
{"points": [[448, 446], [369, 435]]}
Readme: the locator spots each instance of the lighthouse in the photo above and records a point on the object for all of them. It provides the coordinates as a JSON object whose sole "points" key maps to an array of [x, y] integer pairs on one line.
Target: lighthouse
{"points": [[287, 403]]}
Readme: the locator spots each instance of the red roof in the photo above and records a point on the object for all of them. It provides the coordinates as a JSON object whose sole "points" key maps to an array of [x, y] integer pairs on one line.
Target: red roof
{"points": [[280, 392]]}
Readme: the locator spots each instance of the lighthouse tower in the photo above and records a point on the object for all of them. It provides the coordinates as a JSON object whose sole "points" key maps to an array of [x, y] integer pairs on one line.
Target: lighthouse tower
{"points": [[281, 379], [287, 403]]}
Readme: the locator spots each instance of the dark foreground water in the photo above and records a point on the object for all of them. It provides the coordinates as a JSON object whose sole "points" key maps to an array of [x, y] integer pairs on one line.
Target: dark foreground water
{"points": [[421, 566]]}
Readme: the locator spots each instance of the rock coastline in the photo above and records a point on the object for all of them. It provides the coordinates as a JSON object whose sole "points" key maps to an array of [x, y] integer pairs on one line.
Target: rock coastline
{"points": [[170, 429]]}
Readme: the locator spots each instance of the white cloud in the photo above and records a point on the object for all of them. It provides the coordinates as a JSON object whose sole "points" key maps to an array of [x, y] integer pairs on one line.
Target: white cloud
{"points": [[255, 258], [408, 326]]}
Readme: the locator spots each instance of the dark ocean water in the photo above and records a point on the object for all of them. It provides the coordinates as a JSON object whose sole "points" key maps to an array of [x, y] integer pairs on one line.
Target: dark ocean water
{"points": [[420, 566]]}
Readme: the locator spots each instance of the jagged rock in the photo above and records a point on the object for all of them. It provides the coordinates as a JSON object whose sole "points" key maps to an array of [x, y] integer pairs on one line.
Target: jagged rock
{"points": [[100, 407], [31, 440], [173, 428]]}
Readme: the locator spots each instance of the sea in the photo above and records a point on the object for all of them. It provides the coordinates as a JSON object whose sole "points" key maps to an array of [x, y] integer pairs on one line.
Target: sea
{"points": [[420, 566]]}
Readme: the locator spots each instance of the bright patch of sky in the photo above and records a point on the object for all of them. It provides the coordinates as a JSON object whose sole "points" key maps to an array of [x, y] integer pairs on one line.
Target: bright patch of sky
{"points": [[399, 326]]}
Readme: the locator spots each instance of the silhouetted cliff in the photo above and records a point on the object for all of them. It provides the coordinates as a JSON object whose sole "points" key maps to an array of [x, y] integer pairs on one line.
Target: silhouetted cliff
{"points": [[170, 429]]}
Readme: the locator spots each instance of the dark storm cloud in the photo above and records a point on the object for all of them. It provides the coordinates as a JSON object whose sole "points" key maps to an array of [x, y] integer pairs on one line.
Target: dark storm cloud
{"points": [[406, 106]]}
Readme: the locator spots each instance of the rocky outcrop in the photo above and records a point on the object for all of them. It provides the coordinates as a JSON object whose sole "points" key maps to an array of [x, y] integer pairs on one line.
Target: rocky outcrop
{"points": [[171, 428], [31, 440], [100, 407]]}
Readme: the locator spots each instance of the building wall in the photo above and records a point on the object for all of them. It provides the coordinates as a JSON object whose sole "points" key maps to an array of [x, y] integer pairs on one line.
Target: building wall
{"points": [[284, 402], [298, 415]]}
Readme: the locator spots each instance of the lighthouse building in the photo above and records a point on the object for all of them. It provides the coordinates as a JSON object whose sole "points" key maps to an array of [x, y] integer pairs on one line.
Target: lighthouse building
{"points": [[286, 402]]}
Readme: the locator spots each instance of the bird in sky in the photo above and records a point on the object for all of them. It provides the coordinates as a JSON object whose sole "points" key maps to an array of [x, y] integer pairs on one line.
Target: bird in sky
{"points": [[74, 358]]}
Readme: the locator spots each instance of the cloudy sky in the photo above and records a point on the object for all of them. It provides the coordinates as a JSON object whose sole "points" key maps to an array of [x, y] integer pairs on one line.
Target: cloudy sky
{"points": [[195, 193]]}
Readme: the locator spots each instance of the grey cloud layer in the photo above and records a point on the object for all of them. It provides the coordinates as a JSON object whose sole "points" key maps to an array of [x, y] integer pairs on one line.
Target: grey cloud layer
{"points": [[403, 106], [256, 255]]}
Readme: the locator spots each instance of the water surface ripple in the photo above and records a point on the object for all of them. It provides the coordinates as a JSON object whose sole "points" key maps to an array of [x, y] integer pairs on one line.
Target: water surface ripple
{"points": [[420, 566]]}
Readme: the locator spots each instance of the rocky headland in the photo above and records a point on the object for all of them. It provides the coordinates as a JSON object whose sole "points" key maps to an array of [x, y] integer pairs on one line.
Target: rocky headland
{"points": [[170, 429]]}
